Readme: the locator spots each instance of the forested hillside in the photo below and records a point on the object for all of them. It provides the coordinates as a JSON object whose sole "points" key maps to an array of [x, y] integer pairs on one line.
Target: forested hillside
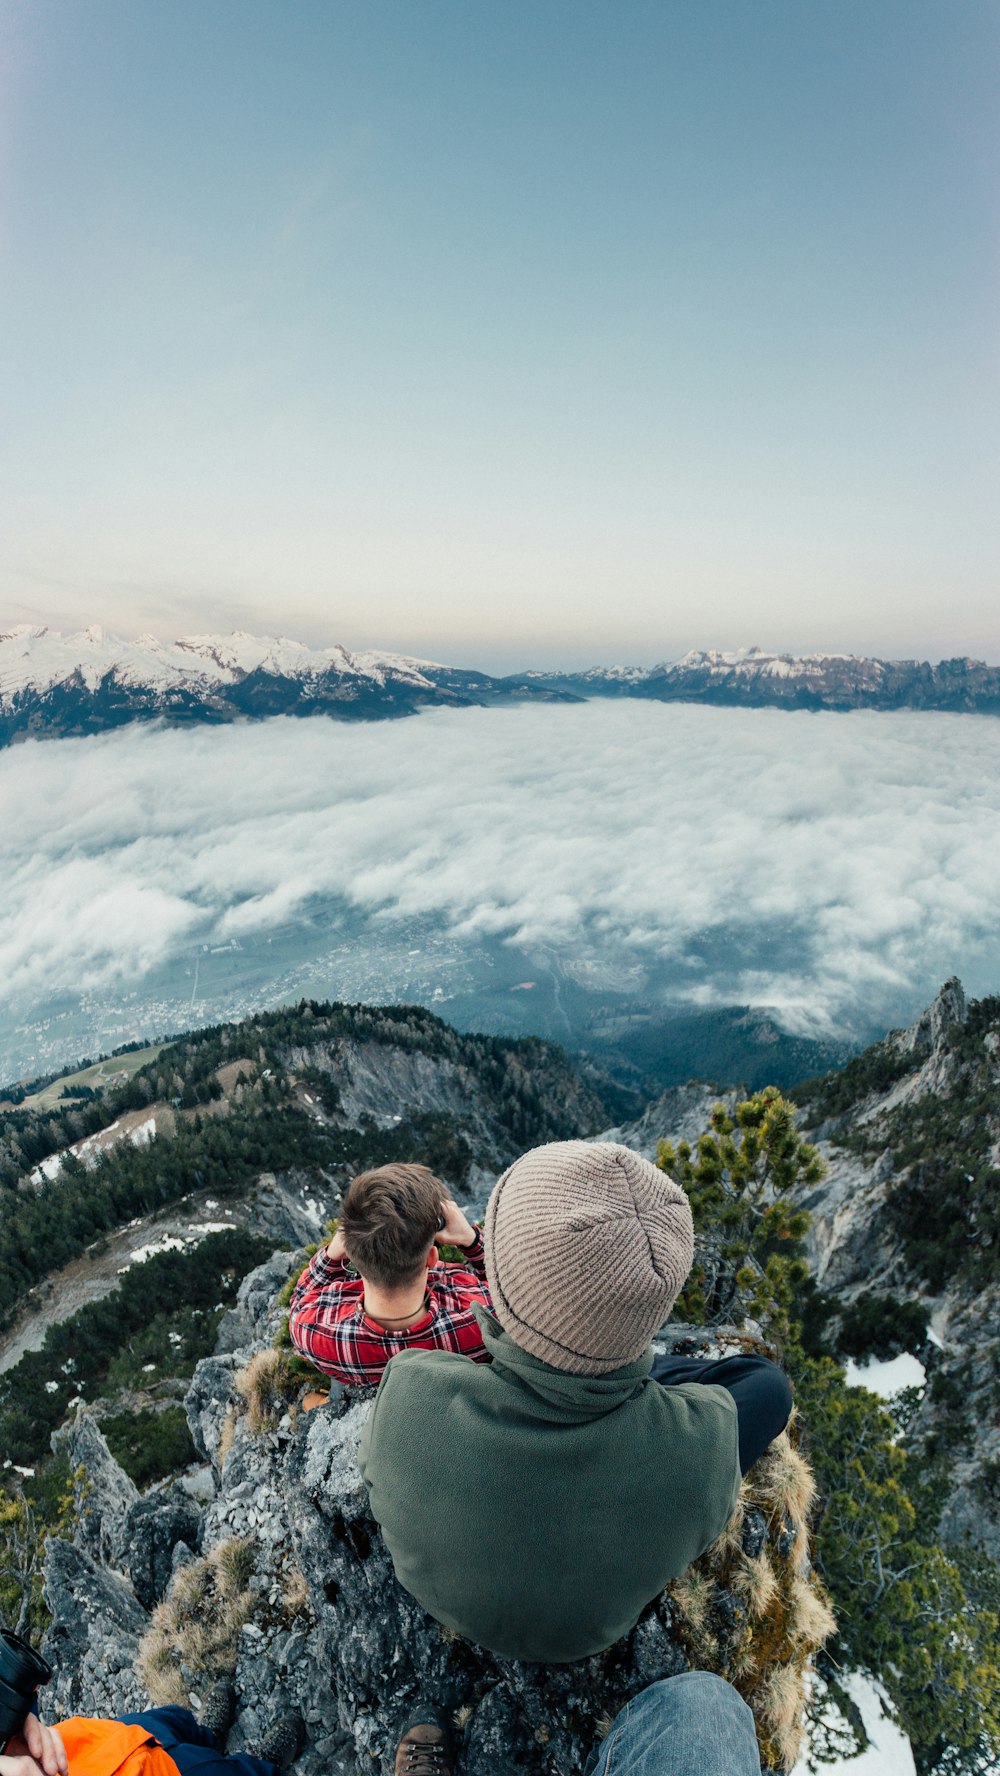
{"points": [[321, 1089], [883, 1241]]}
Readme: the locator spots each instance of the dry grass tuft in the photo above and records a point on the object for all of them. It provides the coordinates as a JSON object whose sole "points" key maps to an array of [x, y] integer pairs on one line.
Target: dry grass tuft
{"points": [[294, 1594], [462, 1717], [194, 1634], [692, 1593], [226, 1437], [755, 1582], [785, 1613], [267, 1386], [779, 1704], [813, 1621], [786, 1481]]}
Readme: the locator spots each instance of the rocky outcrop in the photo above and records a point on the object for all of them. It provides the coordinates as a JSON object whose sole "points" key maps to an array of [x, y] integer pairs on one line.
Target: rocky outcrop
{"points": [[942, 1073], [103, 1495], [93, 1643], [281, 1578], [680, 1114]]}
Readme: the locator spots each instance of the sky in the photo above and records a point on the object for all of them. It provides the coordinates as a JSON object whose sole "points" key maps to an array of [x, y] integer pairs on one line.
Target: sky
{"points": [[835, 868], [510, 335]]}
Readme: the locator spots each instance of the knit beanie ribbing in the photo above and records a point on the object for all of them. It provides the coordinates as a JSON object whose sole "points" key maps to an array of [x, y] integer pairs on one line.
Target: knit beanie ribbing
{"points": [[587, 1248]]}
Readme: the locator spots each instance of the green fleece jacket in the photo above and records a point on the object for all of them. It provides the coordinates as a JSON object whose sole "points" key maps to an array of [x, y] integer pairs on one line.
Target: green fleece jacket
{"points": [[537, 1513]]}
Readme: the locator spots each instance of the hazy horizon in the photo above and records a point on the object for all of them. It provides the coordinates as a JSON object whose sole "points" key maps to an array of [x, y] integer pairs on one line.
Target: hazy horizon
{"points": [[569, 658], [516, 336]]}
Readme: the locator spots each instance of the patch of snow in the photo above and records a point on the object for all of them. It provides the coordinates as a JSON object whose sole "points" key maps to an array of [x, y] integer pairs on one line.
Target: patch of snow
{"points": [[888, 1753], [147, 1368], [167, 1244], [49, 1168], [889, 1377], [51, 1387], [210, 1203]]}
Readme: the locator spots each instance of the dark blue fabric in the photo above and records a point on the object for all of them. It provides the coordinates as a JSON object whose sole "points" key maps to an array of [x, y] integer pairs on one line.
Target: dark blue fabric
{"points": [[194, 1749], [761, 1391]]}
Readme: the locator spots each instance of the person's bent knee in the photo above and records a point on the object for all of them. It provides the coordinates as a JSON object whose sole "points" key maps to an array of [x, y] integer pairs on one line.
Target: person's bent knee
{"points": [[695, 1710], [695, 1690], [778, 1391]]}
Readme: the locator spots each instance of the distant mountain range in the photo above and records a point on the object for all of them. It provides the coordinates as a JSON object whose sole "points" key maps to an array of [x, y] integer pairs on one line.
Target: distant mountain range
{"points": [[56, 685]]}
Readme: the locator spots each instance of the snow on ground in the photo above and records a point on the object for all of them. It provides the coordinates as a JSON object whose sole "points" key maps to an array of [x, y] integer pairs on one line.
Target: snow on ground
{"points": [[886, 1378], [888, 1752], [139, 1255], [88, 1151]]}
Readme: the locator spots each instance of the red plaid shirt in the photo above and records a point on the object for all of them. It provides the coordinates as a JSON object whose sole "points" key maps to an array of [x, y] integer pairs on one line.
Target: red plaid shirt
{"points": [[328, 1323]]}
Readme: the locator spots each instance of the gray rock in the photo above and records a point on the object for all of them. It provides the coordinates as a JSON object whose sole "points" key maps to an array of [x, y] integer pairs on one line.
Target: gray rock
{"points": [[754, 1534], [103, 1494], [256, 1316], [210, 1398], [199, 1484], [153, 1529], [97, 1624]]}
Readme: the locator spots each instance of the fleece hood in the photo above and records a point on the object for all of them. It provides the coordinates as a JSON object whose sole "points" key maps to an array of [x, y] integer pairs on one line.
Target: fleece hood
{"points": [[557, 1395]]}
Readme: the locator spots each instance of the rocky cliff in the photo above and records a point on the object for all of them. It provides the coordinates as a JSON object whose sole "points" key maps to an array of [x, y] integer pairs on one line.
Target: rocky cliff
{"points": [[908, 1215], [264, 1562]]}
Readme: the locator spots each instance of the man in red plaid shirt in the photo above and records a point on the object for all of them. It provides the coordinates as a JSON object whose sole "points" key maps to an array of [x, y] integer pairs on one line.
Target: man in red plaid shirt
{"points": [[379, 1286]]}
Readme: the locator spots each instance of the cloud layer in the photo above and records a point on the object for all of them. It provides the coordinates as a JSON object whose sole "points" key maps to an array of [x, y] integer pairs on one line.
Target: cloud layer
{"points": [[864, 848]]}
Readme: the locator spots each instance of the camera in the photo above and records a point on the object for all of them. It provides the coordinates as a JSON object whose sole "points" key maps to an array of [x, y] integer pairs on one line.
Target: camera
{"points": [[22, 1671]]}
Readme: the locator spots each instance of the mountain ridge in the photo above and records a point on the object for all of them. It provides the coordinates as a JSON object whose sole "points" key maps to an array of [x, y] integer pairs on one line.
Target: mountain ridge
{"points": [[54, 685]]}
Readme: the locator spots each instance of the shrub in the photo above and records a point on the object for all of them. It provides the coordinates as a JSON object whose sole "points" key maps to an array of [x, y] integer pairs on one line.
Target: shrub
{"points": [[881, 1326]]}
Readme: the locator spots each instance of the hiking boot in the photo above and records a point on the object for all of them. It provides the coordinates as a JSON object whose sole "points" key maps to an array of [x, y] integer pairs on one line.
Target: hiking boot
{"points": [[282, 1743], [217, 1711], [426, 1746]]}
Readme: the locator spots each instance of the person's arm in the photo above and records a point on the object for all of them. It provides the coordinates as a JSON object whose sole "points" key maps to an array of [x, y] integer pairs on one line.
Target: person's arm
{"points": [[317, 1323], [459, 1231]]}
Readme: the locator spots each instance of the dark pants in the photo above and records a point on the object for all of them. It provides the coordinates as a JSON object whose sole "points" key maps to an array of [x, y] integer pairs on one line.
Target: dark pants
{"points": [[760, 1389], [194, 1749]]}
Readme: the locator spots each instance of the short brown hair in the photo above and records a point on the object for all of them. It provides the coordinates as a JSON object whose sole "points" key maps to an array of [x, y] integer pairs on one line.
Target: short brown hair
{"points": [[389, 1220]]}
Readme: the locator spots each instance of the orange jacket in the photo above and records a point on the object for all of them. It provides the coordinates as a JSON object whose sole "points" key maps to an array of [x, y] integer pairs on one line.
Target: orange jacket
{"points": [[108, 1747]]}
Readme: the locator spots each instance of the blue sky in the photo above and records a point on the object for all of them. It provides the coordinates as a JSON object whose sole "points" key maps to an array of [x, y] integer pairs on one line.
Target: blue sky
{"points": [[504, 333]]}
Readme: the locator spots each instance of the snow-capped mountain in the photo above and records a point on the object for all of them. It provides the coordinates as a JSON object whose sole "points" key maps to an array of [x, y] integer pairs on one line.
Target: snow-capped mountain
{"points": [[53, 684], [751, 677]]}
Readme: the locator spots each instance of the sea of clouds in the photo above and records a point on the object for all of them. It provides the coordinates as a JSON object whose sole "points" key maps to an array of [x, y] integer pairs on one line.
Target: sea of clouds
{"points": [[870, 843]]}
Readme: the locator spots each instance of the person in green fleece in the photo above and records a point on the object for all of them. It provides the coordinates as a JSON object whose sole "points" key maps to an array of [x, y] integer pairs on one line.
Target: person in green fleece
{"points": [[536, 1504]]}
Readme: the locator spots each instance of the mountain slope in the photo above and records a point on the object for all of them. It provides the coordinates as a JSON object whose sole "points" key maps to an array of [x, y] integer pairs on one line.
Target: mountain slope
{"points": [[55, 685], [754, 678]]}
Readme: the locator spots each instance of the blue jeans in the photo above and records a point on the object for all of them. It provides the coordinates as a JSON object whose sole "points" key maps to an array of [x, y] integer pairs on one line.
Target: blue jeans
{"points": [[692, 1725], [194, 1749]]}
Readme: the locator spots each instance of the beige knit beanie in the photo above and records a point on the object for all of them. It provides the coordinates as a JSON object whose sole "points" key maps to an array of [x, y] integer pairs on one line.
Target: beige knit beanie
{"points": [[587, 1249]]}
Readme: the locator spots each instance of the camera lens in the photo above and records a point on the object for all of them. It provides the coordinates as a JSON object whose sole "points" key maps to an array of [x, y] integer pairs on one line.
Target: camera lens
{"points": [[22, 1670]]}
